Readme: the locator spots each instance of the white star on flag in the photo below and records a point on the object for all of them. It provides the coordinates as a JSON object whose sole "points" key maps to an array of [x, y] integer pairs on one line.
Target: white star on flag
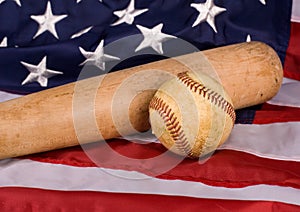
{"points": [[3, 43], [81, 32], [81, 0], [153, 38], [248, 39], [263, 2], [127, 15], [208, 11], [47, 21], [17, 1], [98, 58], [39, 73]]}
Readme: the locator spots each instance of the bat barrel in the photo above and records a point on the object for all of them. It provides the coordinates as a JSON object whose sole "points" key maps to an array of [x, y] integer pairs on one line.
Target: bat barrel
{"points": [[106, 106]]}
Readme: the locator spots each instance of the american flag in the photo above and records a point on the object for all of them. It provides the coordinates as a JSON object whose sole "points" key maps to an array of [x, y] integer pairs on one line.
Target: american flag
{"points": [[46, 44]]}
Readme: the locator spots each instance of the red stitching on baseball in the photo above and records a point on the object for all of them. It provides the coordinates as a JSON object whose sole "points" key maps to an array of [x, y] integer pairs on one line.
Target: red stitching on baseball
{"points": [[172, 125], [207, 93]]}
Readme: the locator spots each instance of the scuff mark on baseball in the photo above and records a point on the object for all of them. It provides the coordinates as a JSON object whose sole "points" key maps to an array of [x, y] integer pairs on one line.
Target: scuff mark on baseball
{"points": [[191, 115]]}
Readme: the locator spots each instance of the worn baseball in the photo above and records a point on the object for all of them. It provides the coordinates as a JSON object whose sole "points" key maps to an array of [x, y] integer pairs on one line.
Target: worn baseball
{"points": [[192, 114]]}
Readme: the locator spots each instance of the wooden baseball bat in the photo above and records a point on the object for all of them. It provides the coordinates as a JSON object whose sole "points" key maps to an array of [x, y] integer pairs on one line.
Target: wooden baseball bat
{"points": [[115, 104]]}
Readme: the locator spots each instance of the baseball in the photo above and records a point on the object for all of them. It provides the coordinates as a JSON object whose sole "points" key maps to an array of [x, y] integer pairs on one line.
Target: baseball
{"points": [[191, 115]]}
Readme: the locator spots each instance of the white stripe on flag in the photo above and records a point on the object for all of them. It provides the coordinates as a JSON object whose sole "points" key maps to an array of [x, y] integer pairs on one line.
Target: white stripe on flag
{"points": [[280, 140], [288, 93], [296, 11], [4, 96], [248, 138], [27, 173], [275, 141]]}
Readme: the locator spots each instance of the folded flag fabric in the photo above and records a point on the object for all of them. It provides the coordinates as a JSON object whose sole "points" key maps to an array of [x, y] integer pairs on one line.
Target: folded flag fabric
{"points": [[47, 44]]}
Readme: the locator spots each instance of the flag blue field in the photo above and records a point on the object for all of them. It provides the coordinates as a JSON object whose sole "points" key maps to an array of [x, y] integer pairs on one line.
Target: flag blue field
{"points": [[47, 44]]}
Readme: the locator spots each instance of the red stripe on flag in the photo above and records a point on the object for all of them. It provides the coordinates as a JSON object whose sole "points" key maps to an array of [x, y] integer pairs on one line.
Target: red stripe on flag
{"points": [[226, 168], [29, 199], [273, 113], [292, 59]]}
